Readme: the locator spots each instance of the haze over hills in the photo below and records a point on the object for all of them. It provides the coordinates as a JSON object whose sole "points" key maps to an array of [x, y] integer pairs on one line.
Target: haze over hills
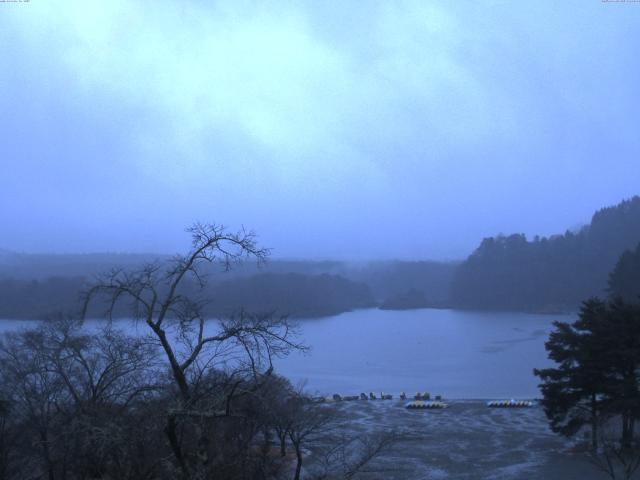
{"points": [[504, 273]]}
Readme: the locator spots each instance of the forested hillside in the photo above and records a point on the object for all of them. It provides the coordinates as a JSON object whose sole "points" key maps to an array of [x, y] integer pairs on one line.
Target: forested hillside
{"points": [[548, 274], [292, 294]]}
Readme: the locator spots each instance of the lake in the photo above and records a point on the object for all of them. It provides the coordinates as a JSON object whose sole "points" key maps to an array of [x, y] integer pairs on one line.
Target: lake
{"points": [[459, 354]]}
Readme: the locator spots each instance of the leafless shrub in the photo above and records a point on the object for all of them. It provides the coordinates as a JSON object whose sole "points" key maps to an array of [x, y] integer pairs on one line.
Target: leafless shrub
{"points": [[612, 457]]}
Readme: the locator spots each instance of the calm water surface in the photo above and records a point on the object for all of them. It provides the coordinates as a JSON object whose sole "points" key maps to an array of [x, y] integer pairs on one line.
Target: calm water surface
{"points": [[459, 354]]}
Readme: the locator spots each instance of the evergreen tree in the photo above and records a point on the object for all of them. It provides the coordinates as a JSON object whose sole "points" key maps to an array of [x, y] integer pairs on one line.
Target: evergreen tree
{"points": [[596, 379], [574, 391], [620, 341]]}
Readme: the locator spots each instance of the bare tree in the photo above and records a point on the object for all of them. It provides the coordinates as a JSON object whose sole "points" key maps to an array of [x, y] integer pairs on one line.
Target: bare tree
{"points": [[36, 395], [311, 426], [348, 458], [68, 390], [171, 301], [280, 401], [308, 421], [104, 368], [617, 459], [12, 464]]}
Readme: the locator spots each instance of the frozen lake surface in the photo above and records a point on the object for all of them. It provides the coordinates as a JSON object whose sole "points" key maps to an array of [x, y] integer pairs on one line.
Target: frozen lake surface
{"points": [[459, 354]]}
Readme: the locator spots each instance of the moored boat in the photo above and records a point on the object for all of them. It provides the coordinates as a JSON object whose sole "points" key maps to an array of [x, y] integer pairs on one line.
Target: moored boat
{"points": [[425, 405], [510, 403]]}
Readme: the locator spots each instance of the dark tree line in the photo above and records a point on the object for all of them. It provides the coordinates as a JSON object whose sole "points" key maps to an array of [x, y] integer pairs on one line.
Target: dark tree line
{"points": [[189, 399], [32, 286], [298, 295], [547, 274], [294, 293]]}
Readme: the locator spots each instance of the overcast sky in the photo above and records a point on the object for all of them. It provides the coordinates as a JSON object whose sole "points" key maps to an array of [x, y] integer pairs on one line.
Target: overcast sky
{"points": [[335, 129]]}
